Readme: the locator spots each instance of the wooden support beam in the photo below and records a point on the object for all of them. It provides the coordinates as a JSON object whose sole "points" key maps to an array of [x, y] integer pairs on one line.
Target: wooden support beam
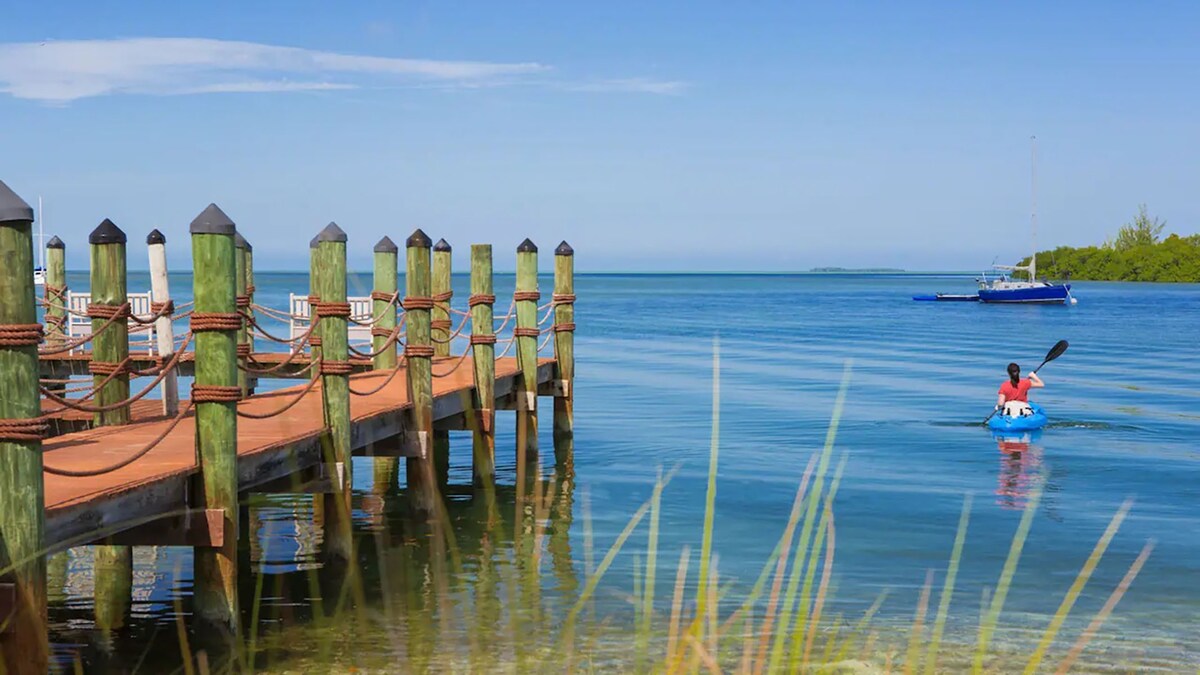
{"points": [[55, 292], [243, 304], [386, 469], [440, 327], [527, 348], [164, 328], [483, 355], [215, 288], [422, 479], [112, 565], [564, 353], [335, 387], [248, 254], [24, 647], [198, 528]]}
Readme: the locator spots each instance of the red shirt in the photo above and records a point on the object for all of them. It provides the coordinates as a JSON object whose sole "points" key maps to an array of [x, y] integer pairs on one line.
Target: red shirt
{"points": [[1017, 393]]}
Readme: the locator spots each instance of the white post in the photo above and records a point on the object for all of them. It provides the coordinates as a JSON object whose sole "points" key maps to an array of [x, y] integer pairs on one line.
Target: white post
{"points": [[163, 328]]}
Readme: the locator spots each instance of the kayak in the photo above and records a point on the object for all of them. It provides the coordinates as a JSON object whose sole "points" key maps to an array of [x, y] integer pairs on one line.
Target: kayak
{"points": [[1002, 422]]}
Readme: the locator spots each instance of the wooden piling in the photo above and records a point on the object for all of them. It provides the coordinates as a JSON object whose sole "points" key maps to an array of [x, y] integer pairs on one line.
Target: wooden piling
{"points": [[113, 572], [248, 257], [314, 349], [23, 644], [386, 469], [334, 315], [526, 334], [564, 352], [55, 292], [483, 356], [164, 329], [383, 306], [422, 480], [243, 305], [111, 345], [215, 395], [440, 328]]}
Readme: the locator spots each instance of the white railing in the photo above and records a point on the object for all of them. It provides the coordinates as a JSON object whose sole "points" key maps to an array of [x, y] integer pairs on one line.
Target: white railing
{"points": [[79, 325], [360, 308]]}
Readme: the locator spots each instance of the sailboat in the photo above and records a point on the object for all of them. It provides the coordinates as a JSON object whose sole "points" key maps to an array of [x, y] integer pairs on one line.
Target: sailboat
{"points": [[1005, 289], [39, 272]]}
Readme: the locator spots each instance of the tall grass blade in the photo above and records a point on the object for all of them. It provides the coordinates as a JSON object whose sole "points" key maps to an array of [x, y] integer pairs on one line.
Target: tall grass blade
{"points": [[1077, 587], [939, 624], [647, 611], [913, 656], [859, 627], [1109, 605], [802, 621], [710, 498], [778, 647], [677, 609], [823, 587], [988, 626]]}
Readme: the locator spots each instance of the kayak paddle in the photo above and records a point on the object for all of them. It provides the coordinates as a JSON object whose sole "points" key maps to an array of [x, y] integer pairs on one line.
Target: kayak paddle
{"points": [[1055, 352]]}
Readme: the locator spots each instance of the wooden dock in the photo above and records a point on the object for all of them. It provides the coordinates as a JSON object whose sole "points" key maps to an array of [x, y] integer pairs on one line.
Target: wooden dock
{"points": [[268, 450], [86, 461]]}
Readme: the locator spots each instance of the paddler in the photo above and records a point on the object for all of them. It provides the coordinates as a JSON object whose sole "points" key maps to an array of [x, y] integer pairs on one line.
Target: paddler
{"points": [[1013, 396]]}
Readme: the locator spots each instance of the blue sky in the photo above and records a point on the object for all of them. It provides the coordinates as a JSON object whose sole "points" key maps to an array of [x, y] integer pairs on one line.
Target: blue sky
{"points": [[672, 136]]}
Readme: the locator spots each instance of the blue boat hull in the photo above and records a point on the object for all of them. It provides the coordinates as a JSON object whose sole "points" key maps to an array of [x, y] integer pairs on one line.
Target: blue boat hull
{"points": [[1049, 294], [1002, 423]]}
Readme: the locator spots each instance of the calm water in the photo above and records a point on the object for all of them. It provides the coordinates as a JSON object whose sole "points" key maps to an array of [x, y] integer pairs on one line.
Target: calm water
{"points": [[1124, 423]]}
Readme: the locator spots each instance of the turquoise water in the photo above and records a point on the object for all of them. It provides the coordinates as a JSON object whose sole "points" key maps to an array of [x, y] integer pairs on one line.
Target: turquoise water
{"points": [[1122, 403]]}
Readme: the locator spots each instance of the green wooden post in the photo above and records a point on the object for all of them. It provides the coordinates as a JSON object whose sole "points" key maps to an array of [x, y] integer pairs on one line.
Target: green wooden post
{"points": [[243, 304], [564, 353], [56, 292], [440, 327], [526, 335], [386, 469], [248, 252], [422, 480], [214, 263], [335, 385], [314, 349], [113, 572], [107, 244], [24, 647], [483, 357]]}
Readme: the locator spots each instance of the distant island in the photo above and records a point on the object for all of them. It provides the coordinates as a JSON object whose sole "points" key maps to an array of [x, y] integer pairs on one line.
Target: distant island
{"points": [[856, 270], [1137, 253]]}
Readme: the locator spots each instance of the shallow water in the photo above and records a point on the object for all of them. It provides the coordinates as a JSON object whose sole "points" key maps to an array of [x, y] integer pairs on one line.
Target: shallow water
{"points": [[1123, 425]]}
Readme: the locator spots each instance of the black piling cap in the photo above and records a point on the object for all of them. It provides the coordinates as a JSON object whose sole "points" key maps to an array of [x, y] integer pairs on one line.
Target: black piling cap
{"points": [[442, 245], [527, 246], [331, 233], [212, 220], [564, 249], [418, 239], [12, 207], [155, 237], [312, 243], [106, 232], [55, 242], [239, 241], [386, 245]]}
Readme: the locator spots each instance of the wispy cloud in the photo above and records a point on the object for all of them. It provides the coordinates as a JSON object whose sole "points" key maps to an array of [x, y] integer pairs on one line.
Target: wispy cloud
{"points": [[636, 85], [64, 71]]}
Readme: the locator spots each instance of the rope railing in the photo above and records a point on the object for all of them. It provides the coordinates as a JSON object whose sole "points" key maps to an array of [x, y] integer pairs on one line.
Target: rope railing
{"points": [[69, 404], [287, 406]]}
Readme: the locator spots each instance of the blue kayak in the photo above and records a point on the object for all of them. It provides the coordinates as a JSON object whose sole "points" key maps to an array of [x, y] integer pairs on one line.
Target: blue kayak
{"points": [[1037, 420]]}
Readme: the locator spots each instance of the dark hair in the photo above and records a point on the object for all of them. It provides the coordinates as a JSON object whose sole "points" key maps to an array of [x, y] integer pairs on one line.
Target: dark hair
{"points": [[1014, 373]]}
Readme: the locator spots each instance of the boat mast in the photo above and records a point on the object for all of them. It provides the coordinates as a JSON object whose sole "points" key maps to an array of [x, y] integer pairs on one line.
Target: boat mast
{"points": [[1033, 206]]}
